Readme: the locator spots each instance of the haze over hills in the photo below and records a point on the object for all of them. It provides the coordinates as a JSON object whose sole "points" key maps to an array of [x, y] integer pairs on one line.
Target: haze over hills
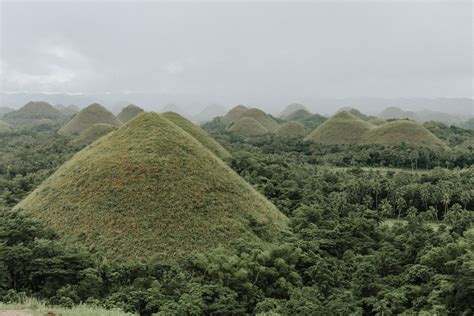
{"points": [[5, 127], [93, 114], [209, 112], [33, 111], [151, 191], [421, 116], [5, 110], [129, 112], [67, 110], [346, 128], [291, 108]]}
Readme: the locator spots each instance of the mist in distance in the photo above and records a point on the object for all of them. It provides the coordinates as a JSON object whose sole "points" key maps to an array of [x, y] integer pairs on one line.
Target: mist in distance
{"points": [[369, 55]]}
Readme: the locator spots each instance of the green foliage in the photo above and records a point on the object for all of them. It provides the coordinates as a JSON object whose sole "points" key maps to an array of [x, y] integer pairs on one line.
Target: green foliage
{"points": [[291, 129]]}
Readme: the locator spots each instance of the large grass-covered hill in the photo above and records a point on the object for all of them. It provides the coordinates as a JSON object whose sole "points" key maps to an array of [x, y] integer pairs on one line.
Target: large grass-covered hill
{"points": [[33, 111], [346, 128], [94, 132], [150, 191], [93, 114], [248, 127], [290, 109], [291, 129]]}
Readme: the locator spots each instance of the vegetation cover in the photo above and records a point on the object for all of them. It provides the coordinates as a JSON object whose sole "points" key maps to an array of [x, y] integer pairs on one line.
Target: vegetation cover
{"points": [[150, 190], [290, 129], [346, 128], [93, 133], [248, 127], [5, 127], [377, 121], [234, 114], [92, 114], [263, 118], [198, 133], [356, 113], [129, 112], [33, 111]]}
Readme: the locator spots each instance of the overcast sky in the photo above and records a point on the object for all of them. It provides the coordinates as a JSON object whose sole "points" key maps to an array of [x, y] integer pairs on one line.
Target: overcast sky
{"points": [[239, 52]]}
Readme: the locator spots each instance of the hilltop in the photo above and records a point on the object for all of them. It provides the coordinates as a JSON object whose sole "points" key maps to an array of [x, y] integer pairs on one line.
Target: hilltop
{"points": [[346, 128], [234, 114], [394, 112], [198, 133], [309, 121], [94, 132], [248, 127], [67, 110], [263, 118], [93, 114], [356, 113], [402, 131], [291, 129], [149, 191], [342, 128], [33, 111], [290, 109], [129, 112]]}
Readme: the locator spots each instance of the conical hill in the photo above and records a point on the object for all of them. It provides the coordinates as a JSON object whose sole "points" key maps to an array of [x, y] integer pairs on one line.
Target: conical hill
{"points": [[93, 114], [150, 191], [129, 112]]}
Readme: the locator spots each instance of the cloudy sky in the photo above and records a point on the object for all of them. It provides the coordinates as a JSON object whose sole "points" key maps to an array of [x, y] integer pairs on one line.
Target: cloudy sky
{"points": [[238, 52]]}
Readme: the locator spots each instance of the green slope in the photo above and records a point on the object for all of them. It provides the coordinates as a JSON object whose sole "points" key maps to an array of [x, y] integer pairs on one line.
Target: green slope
{"points": [[93, 133], [342, 128], [290, 129], [263, 118], [129, 112], [198, 133], [234, 114], [150, 191], [93, 114], [5, 127], [248, 127], [33, 111]]}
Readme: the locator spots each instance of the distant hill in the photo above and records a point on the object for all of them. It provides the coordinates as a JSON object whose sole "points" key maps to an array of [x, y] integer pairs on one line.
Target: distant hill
{"points": [[342, 128], [234, 114], [290, 109], [263, 118], [93, 114], [67, 110], [396, 113], [209, 112], [4, 110], [346, 128], [420, 116], [94, 132], [356, 112], [5, 127], [150, 192], [298, 115], [198, 133], [468, 124], [129, 112], [291, 129], [33, 111], [174, 108], [248, 127], [309, 121]]}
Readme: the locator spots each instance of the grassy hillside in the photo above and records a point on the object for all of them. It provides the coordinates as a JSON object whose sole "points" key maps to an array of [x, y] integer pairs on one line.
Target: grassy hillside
{"points": [[93, 133], [234, 114], [93, 114], [129, 112], [298, 115], [290, 109], [342, 128], [291, 129], [5, 127], [263, 118], [377, 121], [150, 191], [198, 133], [408, 132], [346, 128], [33, 111], [356, 113], [248, 127]]}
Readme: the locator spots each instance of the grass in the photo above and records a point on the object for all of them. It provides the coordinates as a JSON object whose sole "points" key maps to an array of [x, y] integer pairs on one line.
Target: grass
{"points": [[234, 114], [37, 308], [33, 111], [198, 133], [292, 108], [150, 191], [5, 127], [346, 128], [96, 131], [291, 129], [248, 127], [93, 114], [298, 115], [377, 121], [129, 112], [263, 118]]}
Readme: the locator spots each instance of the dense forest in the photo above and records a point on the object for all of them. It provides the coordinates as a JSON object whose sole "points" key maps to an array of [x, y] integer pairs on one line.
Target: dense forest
{"points": [[374, 230]]}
